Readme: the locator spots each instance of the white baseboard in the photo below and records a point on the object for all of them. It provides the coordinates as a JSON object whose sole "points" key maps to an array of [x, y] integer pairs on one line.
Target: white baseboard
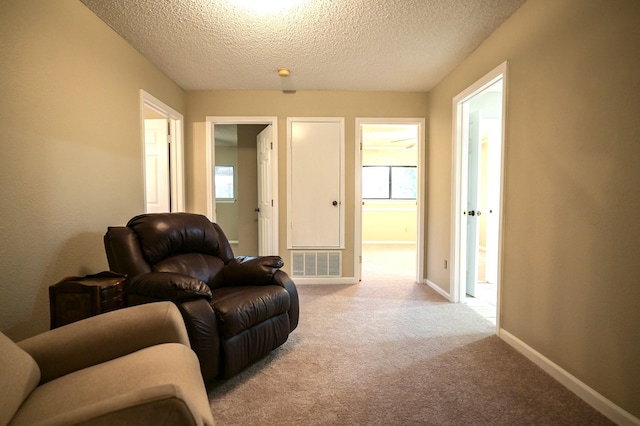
{"points": [[321, 280], [590, 396], [438, 290]]}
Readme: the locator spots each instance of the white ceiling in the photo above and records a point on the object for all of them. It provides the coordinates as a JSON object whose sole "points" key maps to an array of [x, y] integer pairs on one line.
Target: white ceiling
{"points": [[364, 45]]}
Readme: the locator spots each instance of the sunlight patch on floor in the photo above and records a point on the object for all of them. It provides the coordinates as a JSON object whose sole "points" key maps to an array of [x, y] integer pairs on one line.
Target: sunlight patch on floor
{"points": [[388, 260]]}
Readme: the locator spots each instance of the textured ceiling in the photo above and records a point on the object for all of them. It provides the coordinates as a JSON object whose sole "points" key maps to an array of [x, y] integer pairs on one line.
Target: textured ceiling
{"points": [[368, 45]]}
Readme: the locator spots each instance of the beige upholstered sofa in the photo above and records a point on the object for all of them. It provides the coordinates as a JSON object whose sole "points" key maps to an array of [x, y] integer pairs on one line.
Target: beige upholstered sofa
{"points": [[131, 366]]}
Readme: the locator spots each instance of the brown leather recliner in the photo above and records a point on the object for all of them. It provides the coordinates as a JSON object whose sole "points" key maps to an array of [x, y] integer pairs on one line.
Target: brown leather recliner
{"points": [[236, 309]]}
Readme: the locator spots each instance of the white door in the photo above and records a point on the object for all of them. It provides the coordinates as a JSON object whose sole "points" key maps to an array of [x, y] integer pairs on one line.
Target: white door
{"points": [[156, 151], [490, 211], [482, 124], [265, 191], [316, 183], [472, 213], [479, 140]]}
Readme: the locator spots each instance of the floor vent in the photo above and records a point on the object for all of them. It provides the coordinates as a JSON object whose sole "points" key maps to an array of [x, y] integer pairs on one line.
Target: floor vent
{"points": [[316, 263]]}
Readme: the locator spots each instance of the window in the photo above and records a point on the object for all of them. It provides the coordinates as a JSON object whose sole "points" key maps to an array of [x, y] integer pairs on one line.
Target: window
{"points": [[389, 182], [224, 178]]}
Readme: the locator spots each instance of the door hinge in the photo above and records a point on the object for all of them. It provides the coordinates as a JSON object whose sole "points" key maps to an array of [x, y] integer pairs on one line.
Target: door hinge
{"points": [[360, 146], [271, 203], [271, 143], [168, 128]]}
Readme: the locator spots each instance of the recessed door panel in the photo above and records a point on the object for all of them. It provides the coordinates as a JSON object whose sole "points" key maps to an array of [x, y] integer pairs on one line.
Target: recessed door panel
{"points": [[316, 183], [157, 180]]}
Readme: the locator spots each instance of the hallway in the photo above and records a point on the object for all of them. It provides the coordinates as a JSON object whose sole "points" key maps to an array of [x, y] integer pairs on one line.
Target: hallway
{"points": [[397, 262]]}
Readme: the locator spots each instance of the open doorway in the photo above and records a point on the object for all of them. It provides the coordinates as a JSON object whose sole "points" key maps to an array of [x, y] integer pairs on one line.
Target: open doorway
{"points": [[162, 136], [479, 144], [389, 182], [242, 181]]}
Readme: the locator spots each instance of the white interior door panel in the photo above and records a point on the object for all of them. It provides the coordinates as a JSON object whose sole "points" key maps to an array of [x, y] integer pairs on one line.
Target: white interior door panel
{"points": [[157, 166], [316, 183], [265, 191]]}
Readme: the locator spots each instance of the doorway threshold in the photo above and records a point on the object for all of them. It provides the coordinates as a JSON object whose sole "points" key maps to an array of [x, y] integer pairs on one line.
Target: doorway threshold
{"points": [[484, 302]]}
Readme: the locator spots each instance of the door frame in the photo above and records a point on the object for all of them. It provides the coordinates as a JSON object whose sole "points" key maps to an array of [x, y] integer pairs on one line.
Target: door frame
{"points": [[176, 148], [458, 179], [420, 201], [211, 121]]}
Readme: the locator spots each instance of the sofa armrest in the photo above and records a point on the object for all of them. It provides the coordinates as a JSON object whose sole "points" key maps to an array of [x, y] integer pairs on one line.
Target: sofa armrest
{"points": [[161, 404], [251, 270], [168, 286], [105, 337]]}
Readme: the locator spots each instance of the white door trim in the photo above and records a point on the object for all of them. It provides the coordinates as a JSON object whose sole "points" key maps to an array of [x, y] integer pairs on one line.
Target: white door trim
{"points": [[420, 122], [176, 148], [458, 182], [211, 121]]}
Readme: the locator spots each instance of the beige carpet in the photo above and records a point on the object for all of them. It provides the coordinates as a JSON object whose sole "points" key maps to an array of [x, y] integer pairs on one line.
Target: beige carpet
{"points": [[391, 352]]}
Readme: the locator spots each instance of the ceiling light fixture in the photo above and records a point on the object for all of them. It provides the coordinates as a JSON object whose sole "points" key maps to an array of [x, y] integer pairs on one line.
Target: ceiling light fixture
{"points": [[284, 72]]}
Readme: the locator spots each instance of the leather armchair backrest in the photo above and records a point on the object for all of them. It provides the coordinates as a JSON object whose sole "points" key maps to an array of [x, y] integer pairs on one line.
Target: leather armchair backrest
{"points": [[184, 243], [163, 235]]}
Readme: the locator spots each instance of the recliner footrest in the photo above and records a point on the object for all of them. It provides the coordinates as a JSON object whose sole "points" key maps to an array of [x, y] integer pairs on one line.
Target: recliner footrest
{"points": [[240, 308]]}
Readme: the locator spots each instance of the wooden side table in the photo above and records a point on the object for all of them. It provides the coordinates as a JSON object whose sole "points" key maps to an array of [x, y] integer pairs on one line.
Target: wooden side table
{"points": [[76, 298]]}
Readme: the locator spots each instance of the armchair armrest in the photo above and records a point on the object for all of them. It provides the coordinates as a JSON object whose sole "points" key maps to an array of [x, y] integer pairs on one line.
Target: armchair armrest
{"points": [[168, 286], [105, 337], [282, 279], [251, 270]]}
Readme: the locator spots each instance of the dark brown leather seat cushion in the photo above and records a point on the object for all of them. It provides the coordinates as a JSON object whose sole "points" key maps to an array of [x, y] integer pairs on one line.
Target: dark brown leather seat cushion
{"points": [[240, 308]]}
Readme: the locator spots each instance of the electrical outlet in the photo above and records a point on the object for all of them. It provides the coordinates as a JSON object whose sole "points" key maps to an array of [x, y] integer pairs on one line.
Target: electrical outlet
{"points": [[446, 264]]}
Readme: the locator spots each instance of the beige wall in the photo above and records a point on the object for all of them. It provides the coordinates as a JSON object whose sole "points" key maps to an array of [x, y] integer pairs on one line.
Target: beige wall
{"points": [[226, 211], [570, 286], [389, 221], [302, 104], [71, 161]]}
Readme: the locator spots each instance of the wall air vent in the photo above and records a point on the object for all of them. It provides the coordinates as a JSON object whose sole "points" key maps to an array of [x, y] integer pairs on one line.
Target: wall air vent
{"points": [[316, 263]]}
